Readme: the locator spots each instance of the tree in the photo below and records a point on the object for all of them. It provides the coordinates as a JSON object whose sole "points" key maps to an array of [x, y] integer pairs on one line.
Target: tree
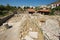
{"points": [[5, 9], [52, 12], [37, 8], [8, 7], [57, 8], [58, 0], [26, 7], [2, 7]]}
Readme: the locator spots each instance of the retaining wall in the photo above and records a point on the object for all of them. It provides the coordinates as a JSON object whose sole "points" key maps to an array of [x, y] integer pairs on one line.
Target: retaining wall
{"points": [[3, 20]]}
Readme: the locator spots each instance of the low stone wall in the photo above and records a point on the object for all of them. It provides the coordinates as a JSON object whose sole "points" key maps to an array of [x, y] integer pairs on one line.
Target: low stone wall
{"points": [[3, 20]]}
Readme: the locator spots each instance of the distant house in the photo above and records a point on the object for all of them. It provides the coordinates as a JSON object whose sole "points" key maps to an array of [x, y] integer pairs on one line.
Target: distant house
{"points": [[53, 5], [46, 6], [31, 11], [44, 10]]}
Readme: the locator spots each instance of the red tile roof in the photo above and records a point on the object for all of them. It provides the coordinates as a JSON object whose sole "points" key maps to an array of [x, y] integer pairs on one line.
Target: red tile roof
{"points": [[43, 11], [31, 10]]}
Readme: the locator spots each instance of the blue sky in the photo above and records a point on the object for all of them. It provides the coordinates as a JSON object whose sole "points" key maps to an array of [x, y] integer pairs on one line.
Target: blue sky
{"points": [[26, 2]]}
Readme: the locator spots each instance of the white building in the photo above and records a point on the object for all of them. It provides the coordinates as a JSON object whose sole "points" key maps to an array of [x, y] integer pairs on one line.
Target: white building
{"points": [[32, 7], [53, 5], [42, 6]]}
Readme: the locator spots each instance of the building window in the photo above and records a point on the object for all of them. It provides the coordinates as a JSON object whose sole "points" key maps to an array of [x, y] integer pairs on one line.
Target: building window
{"points": [[59, 4]]}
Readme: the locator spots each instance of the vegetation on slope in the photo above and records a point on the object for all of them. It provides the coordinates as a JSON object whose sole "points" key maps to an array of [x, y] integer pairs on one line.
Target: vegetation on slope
{"points": [[55, 9], [4, 9]]}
